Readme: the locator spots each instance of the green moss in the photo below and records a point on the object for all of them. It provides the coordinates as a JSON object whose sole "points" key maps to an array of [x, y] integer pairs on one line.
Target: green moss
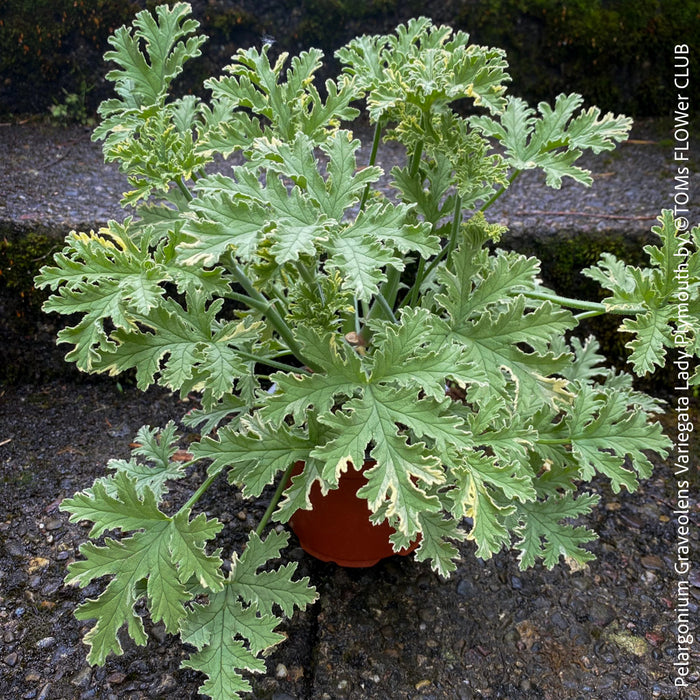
{"points": [[20, 261], [618, 54], [27, 335]]}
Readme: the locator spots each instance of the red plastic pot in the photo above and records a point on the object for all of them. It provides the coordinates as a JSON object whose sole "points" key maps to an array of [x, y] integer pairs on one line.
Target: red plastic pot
{"points": [[338, 529]]}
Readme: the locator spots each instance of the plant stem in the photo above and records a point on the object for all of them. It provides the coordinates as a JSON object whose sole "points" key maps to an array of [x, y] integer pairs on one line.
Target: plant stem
{"points": [[201, 490], [372, 158], [183, 188], [591, 308], [385, 306], [275, 500], [309, 278], [452, 242], [553, 441], [390, 288], [269, 362], [358, 325], [415, 159], [267, 307], [511, 180], [421, 274]]}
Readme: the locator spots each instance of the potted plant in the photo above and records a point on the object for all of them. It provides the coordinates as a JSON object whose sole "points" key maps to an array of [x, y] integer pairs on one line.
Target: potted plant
{"points": [[335, 327]]}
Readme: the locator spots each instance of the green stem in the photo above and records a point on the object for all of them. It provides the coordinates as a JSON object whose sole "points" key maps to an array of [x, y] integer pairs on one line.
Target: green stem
{"points": [[309, 278], [269, 362], [275, 500], [511, 180], [201, 490], [385, 306], [452, 242], [390, 288], [272, 315], [591, 307], [358, 325], [456, 221], [183, 188], [415, 159], [372, 158]]}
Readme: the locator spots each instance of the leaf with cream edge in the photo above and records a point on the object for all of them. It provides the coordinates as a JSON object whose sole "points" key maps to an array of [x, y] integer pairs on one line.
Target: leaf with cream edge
{"points": [[664, 298], [322, 320], [237, 625], [164, 552]]}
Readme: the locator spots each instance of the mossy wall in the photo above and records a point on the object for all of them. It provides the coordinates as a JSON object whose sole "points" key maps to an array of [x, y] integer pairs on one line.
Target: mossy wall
{"points": [[27, 335], [618, 53]]}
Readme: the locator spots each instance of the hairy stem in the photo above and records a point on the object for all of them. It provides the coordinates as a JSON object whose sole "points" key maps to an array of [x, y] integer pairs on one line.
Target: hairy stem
{"points": [[183, 188], [201, 490], [270, 362], [496, 195]]}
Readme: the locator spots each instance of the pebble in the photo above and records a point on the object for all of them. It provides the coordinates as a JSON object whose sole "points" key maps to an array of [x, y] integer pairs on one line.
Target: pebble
{"points": [[45, 643], [166, 685], [651, 561], [559, 621], [158, 632], [116, 678], [281, 671], [600, 613], [630, 520], [15, 549], [11, 659]]}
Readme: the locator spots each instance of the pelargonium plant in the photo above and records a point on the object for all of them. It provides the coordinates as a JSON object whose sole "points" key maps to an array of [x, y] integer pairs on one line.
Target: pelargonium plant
{"points": [[325, 318]]}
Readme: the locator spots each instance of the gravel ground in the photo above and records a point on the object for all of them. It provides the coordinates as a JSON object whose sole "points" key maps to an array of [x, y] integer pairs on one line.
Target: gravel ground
{"points": [[391, 632], [395, 631], [54, 179]]}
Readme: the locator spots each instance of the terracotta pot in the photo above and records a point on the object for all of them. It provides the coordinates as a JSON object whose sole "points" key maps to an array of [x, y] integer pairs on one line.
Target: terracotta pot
{"points": [[338, 529]]}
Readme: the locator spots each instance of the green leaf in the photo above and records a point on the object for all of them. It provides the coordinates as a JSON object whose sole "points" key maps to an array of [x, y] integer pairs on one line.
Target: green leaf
{"points": [[157, 447], [543, 534], [296, 393], [603, 431], [434, 545], [255, 456], [195, 349], [360, 258], [292, 106], [238, 624], [221, 223], [424, 65], [165, 552], [400, 466], [477, 281], [406, 354], [553, 141], [493, 343], [146, 77], [663, 298]]}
